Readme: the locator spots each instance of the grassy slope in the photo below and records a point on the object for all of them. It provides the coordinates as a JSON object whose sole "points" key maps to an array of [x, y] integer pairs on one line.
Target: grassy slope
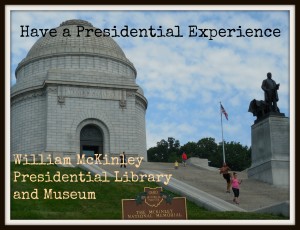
{"points": [[106, 206]]}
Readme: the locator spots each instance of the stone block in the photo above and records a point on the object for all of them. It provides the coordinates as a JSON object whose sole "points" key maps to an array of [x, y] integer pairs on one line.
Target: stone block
{"points": [[270, 151]]}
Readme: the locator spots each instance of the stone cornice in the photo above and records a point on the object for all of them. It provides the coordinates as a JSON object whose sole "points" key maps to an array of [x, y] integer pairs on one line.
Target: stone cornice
{"points": [[72, 83]]}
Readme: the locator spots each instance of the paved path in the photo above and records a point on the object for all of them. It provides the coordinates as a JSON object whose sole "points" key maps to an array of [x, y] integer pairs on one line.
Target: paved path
{"points": [[253, 194]]}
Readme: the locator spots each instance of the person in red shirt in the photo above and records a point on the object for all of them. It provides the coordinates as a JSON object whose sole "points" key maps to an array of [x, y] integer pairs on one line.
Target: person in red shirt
{"points": [[184, 158]]}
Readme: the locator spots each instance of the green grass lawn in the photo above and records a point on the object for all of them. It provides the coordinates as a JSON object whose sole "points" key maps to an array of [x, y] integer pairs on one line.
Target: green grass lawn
{"points": [[107, 204]]}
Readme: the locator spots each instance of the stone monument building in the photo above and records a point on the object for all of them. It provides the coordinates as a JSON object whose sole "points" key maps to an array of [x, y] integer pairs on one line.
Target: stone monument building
{"points": [[77, 95]]}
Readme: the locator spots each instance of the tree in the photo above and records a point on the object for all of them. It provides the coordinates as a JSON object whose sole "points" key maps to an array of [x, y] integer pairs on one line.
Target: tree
{"points": [[177, 144], [162, 148], [174, 157], [238, 157], [207, 147], [152, 154], [165, 151], [171, 141], [158, 153], [190, 149], [173, 149]]}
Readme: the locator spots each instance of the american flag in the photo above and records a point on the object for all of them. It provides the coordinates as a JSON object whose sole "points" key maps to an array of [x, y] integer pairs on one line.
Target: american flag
{"points": [[224, 112]]}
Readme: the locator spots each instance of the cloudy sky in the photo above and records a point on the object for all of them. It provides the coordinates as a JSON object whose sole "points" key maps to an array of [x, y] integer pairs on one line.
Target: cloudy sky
{"points": [[184, 79]]}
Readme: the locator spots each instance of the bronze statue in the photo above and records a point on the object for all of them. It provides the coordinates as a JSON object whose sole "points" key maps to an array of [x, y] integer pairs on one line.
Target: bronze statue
{"points": [[270, 88], [258, 107], [261, 108]]}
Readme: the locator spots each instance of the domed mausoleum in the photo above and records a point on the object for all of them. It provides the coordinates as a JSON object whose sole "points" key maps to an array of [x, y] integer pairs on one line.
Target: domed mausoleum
{"points": [[77, 95]]}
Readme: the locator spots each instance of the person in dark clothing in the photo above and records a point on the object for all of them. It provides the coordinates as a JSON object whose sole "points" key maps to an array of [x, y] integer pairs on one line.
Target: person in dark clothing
{"points": [[123, 160], [226, 175]]}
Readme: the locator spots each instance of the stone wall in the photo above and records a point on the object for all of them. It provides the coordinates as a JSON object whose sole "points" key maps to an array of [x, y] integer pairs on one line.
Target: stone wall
{"points": [[124, 128], [28, 123]]}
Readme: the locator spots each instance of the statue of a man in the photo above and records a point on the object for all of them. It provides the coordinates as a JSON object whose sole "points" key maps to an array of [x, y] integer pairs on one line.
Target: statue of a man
{"points": [[270, 88]]}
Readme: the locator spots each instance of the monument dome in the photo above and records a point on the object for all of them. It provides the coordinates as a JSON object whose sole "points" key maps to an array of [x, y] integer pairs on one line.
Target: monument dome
{"points": [[70, 86], [60, 45]]}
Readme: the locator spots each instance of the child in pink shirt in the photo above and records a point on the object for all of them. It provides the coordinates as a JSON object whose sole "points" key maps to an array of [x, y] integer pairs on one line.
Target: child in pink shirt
{"points": [[235, 183]]}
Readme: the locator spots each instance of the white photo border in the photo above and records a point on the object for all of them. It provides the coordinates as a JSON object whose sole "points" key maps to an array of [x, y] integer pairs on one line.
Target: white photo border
{"points": [[10, 8]]}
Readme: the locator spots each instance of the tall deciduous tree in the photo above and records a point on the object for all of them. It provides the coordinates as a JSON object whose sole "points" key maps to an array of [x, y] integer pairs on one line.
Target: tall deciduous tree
{"points": [[237, 156], [207, 147], [165, 151], [190, 149]]}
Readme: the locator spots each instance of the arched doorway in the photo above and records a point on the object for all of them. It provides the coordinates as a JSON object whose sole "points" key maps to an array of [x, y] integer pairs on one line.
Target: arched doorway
{"points": [[91, 141]]}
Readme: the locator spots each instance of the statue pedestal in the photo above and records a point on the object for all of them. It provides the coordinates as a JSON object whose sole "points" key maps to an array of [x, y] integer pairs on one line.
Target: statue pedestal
{"points": [[267, 115], [270, 151]]}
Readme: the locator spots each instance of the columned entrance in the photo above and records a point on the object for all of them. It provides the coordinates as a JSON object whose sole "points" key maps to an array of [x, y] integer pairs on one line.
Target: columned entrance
{"points": [[91, 141]]}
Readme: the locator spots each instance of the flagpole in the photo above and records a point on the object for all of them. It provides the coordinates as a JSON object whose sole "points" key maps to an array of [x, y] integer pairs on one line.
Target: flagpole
{"points": [[222, 134]]}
